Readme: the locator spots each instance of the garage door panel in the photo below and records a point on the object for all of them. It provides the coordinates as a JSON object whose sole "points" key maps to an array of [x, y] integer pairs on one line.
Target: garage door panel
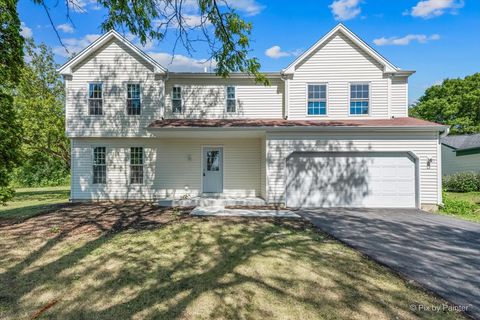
{"points": [[350, 180]]}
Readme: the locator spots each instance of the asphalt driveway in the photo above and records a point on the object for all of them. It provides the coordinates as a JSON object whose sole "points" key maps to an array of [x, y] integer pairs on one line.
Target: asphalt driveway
{"points": [[439, 252]]}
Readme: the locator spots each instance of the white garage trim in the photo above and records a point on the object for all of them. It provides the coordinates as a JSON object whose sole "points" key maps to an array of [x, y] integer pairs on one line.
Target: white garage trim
{"points": [[374, 154]]}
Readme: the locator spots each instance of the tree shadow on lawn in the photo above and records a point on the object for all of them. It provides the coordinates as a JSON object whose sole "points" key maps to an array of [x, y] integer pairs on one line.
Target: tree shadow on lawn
{"points": [[122, 261]]}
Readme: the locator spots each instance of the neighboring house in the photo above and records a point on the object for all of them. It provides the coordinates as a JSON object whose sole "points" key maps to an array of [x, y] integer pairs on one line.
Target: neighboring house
{"points": [[331, 130], [460, 153]]}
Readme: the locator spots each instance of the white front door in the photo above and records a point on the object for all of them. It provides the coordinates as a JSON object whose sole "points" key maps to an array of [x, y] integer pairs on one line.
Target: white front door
{"points": [[212, 169]]}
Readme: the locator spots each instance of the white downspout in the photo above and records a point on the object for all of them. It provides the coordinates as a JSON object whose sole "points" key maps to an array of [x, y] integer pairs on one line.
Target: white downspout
{"points": [[286, 109]]}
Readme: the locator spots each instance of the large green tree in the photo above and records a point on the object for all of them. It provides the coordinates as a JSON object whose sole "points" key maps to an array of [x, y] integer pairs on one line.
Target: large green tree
{"points": [[40, 105], [195, 22], [11, 62], [456, 102]]}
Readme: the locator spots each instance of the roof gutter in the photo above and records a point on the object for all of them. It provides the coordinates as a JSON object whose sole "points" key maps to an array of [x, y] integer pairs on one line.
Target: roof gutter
{"points": [[309, 129]]}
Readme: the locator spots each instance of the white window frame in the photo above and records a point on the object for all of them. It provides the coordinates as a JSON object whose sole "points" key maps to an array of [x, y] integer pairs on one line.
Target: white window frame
{"points": [[130, 165], [126, 98], [176, 99], [231, 99], [102, 99], [93, 164], [369, 97], [326, 99]]}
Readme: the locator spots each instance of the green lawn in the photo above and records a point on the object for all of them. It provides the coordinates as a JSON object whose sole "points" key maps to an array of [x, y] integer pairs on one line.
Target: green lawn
{"points": [[138, 261], [29, 202], [468, 208]]}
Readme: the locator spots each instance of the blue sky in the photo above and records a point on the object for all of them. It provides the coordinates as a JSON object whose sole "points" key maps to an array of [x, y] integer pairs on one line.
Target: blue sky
{"points": [[437, 38]]}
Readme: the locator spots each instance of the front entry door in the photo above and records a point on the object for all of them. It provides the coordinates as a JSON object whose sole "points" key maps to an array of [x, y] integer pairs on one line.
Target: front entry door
{"points": [[213, 170]]}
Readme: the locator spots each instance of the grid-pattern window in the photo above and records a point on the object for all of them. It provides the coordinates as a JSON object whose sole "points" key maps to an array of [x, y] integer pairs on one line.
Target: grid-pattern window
{"points": [[95, 99], [99, 165], [231, 99], [177, 99], [133, 99], [136, 165], [359, 99], [317, 100]]}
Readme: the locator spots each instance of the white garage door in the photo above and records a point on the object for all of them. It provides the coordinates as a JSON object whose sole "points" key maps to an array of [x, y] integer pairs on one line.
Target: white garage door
{"points": [[350, 180]]}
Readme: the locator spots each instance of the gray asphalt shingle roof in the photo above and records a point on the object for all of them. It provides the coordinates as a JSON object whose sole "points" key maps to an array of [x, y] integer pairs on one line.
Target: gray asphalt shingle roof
{"points": [[462, 142]]}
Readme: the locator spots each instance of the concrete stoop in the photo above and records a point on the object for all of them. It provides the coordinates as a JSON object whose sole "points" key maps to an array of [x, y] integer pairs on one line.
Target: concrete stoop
{"points": [[220, 211], [212, 202]]}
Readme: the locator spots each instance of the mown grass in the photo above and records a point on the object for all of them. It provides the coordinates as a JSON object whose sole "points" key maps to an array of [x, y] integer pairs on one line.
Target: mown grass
{"points": [[465, 206], [29, 202], [136, 261]]}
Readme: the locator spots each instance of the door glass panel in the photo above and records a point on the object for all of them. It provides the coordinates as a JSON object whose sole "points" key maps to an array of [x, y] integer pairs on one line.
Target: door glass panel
{"points": [[213, 163]]}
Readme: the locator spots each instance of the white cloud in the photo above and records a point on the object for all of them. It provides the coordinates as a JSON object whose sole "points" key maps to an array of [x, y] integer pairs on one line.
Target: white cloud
{"points": [[345, 9], [249, 7], [83, 6], [403, 41], [181, 63], [434, 8], [276, 52], [75, 45], [25, 31], [66, 28]]}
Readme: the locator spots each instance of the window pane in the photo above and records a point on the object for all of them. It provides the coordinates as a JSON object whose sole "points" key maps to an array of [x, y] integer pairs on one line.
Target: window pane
{"points": [[213, 161], [99, 174], [231, 105], [230, 92], [136, 174], [133, 107], [99, 165], [133, 91], [136, 155], [317, 96], [95, 106], [177, 93], [177, 106], [95, 90]]}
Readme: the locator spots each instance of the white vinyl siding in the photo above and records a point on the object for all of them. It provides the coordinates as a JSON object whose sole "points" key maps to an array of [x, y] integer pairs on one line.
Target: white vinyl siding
{"points": [[338, 62], [399, 97], [453, 164], [281, 145], [114, 65], [172, 168], [206, 98]]}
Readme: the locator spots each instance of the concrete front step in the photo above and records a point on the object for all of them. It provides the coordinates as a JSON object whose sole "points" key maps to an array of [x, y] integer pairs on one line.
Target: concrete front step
{"points": [[220, 211], [211, 202]]}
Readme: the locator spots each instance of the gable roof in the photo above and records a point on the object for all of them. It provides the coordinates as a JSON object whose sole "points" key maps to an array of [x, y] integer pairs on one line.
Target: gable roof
{"points": [[462, 142], [66, 69], [388, 66]]}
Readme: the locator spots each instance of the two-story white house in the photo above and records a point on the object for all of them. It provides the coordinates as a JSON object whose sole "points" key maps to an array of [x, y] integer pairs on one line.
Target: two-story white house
{"points": [[332, 129]]}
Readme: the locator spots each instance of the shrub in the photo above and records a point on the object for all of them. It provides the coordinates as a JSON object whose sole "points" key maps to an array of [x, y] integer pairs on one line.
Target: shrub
{"points": [[40, 170], [457, 206], [462, 182]]}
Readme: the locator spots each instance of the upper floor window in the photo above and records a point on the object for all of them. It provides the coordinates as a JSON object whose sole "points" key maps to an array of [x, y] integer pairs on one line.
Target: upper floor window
{"points": [[317, 99], [231, 99], [136, 165], [177, 99], [95, 99], [99, 165], [133, 99], [359, 98]]}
